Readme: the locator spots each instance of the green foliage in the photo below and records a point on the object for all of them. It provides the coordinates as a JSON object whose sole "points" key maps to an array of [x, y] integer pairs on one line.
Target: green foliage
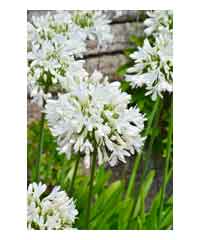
{"points": [[55, 169], [138, 41], [157, 147], [145, 104], [110, 210]]}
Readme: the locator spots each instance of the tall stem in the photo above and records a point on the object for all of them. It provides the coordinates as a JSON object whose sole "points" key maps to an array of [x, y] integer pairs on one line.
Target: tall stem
{"points": [[90, 189], [147, 156], [74, 174], [40, 148], [139, 156], [167, 160]]}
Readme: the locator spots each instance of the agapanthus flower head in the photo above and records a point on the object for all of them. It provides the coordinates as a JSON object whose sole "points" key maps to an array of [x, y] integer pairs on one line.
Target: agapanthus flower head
{"points": [[54, 41], [153, 67], [47, 68], [55, 211], [158, 21], [51, 53], [55, 30], [153, 62], [95, 115], [95, 24]]}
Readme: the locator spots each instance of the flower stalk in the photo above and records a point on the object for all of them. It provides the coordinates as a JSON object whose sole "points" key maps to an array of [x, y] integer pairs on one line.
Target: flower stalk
{"points": [[94, 160], [131, 184], [74, 174], [147, 156], [40, 148], [167, 161]]}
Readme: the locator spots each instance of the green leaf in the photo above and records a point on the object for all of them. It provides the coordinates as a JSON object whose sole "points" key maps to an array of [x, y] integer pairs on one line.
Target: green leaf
{"points": [[121, 71], [129, 51], [167, 219], [124, 209], [124, 86], [102, 177], [153, 212], [145, 187], [103, 208], [138, 41]]}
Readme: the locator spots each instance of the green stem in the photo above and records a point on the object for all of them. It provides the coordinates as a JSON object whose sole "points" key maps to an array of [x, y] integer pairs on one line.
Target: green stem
{"points": [[90, 189], [152, 139], [166, 167], [40, 147], [131, 184], [74, 174]]}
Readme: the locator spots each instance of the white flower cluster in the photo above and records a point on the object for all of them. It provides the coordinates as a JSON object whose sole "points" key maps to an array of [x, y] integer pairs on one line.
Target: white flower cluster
{"points": [[56, 211], [95, 24], [158, 21], [153, 62], [95, 115], [53, 43]]}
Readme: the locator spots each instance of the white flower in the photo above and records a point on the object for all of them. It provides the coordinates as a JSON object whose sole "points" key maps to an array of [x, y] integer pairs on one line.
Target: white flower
{"points": [[153, 66], [101, 28], [53, 43], [158, 21], [93, 115], [56, 211], [51, 51], [55, 29], [49, 66], [74, 74], [95, 25], [153, 63]]}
